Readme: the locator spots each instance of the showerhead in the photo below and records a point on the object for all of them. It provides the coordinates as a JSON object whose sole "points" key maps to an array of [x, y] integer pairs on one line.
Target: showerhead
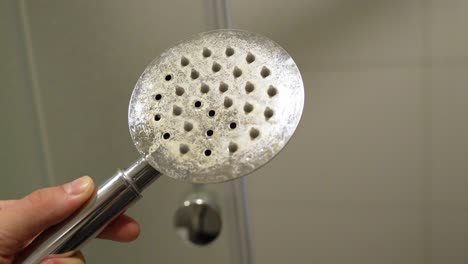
{"points": [[210, 109], [216, 107]]}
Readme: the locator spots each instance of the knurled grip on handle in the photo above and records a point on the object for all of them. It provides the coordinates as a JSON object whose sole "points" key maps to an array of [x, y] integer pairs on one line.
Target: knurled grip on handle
{"points": [[112, 199]]}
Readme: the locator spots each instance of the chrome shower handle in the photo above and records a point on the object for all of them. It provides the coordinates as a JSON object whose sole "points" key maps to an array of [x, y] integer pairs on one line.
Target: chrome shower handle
{"points": [[112, 199]]}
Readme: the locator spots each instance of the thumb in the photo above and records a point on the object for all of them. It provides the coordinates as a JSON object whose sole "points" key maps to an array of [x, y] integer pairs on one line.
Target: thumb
{"points": [[22, 220]]}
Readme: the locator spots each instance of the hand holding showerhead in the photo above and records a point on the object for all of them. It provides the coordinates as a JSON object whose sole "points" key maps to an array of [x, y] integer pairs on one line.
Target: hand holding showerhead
{"points": [[21, 220], [210, 109]]}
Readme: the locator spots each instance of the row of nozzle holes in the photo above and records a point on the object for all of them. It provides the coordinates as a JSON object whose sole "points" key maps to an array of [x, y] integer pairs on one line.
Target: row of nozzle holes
{"points": [[223, 87], [216, 67], [228, 102]]}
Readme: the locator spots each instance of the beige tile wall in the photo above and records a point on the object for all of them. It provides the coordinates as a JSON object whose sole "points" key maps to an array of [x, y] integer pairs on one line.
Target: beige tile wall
{"points": [[21, 152], [449, 163], [377, 172]]}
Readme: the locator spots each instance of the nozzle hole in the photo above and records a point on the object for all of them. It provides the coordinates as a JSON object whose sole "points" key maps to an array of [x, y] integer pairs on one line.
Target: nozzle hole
{"points": [[223, 87], [158, 97], [206, 52], [232, 125], [250, 58], [249, 87], [198, 104], [179, 91], [209, 133], [216, 67], [248, 107], [204, 88], [184, 61], [254, 133], [183, 148], [207, 152], [233, 147], [229, 51], [272, 91], [168, 77], [268, 113], [166, 135], [157, 117], [265, 72], [237, 72], [211, 113], [194, 74], [228, 102], [177, 110], [188, 126]]}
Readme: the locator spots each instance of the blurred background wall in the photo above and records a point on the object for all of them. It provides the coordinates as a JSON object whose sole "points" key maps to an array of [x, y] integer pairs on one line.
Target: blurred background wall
{"points": [[378, 169]]}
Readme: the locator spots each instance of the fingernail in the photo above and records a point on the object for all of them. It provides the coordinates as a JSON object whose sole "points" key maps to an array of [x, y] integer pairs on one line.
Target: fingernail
{"points": [[78, 186]]}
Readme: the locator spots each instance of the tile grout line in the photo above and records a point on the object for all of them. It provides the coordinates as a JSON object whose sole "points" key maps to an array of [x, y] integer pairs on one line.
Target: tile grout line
{"points": [[38, 106], [219, 12], [426, 100], [239, 189]]}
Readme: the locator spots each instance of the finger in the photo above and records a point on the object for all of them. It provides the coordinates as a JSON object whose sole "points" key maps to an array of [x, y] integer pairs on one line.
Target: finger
{"points": [[77, 258], [5, 203], [23, 219], [123, 229]]}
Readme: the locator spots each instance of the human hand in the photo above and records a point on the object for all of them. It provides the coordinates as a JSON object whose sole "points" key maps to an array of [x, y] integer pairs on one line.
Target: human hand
{"points": [[22, 220]]}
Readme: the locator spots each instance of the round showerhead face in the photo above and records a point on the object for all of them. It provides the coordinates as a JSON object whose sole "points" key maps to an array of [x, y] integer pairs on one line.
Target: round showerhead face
{"points": [[216, 107]]}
